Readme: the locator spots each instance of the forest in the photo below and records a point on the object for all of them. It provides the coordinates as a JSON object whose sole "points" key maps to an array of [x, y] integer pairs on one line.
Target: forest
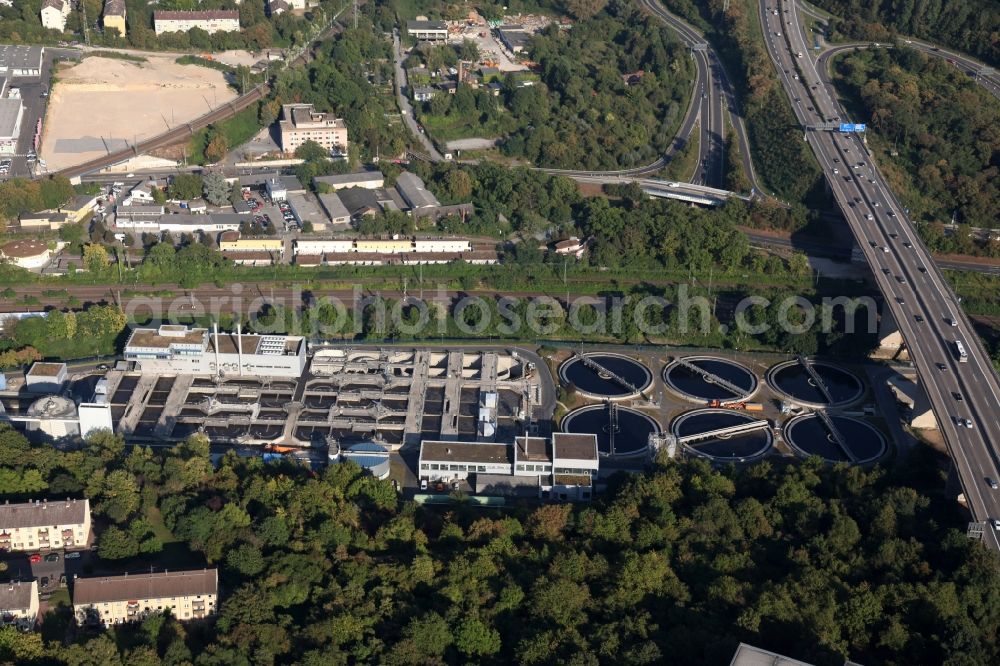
{"points": [[585, 116], [677, 564], [939, 134], [970, 26], [782, 159]]}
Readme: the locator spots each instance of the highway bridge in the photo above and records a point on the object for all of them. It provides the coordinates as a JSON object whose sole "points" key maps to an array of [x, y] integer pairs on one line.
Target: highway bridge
{"points": [[963, 388]]}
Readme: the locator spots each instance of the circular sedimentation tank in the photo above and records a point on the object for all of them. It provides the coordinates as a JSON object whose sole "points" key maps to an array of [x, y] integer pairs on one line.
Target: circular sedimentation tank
{"points": [[738, 381], [606, 375], [620, 431], [808, 436], [792, 381], [734, 447]]}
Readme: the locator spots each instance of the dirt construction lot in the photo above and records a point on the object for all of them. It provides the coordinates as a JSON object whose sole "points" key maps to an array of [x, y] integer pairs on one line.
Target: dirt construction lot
{"points": [[100, 104]]}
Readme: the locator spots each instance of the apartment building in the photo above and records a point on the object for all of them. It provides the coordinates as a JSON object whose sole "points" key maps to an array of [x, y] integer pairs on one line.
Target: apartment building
{"points": [[211, 21], [114, 15], [110, 600], [54, 13], [41, 525], [301, 123], [19, 603]]}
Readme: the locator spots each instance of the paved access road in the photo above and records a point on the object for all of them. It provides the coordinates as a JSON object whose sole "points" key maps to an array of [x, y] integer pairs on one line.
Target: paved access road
{"points": [[927, 312]]}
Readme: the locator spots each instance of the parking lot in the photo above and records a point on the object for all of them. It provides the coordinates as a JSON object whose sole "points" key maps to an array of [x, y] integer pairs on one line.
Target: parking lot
{"points": [[52, 570]]}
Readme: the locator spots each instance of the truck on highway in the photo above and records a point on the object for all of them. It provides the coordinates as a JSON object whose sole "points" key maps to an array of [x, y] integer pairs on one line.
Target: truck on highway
{"points": [[963, 356]]}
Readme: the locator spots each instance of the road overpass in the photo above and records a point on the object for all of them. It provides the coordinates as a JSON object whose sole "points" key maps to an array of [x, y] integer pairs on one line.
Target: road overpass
{"points": [[926, 310]]}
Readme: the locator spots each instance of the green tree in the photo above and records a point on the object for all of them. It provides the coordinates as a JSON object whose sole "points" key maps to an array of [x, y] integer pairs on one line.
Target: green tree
{"points": [[475, 638], [216, 189], [95, 258], [116, 544], [186, 186], [311, 151]]}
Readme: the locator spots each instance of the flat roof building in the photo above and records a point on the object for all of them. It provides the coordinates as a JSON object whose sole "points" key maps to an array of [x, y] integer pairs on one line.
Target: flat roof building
{"points": [[179, 350], [45, 377], [367, 179], [514, 37], [334, 208], [301, 123], [211, 21], [429, 31], [748, 655], [21, 61], [41, 525], [110, 600], [11, 115], [564, 468]]}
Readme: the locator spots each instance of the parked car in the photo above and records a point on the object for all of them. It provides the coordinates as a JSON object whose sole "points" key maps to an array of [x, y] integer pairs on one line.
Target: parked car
{"points": [[34, 558], [423, 484], [52, 557], [75, 555]]}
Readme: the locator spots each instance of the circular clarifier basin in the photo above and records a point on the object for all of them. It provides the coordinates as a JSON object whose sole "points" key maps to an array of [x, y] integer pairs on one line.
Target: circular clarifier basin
{"points": [[718, 379], [810, 436], [623, 433], [723, 447], [791, 380], [606, 375]]}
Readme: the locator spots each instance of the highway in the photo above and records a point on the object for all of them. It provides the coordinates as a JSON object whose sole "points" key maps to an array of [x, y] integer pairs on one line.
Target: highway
{"points": [[713, 99], [985, 76], [924, 307]]}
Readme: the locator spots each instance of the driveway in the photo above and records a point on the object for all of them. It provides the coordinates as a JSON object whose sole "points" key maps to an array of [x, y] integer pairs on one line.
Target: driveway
{"points": [[404, 102]]}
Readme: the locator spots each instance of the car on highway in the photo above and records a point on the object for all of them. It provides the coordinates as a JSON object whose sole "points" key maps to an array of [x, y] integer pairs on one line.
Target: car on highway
{"points": [[885, 250], [908, 244], [991, 482], [942, 367], [34, 558], [967, 423], [886, 271], [836, 170], [921, 269], [868, 216], [951, 320], [900, 279], [918, 318], [899, 299], [957, 396], [996, 524], [893, 234]]}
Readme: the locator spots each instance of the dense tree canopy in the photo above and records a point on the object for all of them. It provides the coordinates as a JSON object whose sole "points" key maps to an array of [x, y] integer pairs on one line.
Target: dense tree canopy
{"points": [[971, 26], [585, 116], [945, 129], [677, 564]]}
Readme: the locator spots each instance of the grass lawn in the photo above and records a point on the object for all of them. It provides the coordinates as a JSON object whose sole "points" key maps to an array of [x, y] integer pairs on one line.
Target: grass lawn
{"points": [[155, 519]]}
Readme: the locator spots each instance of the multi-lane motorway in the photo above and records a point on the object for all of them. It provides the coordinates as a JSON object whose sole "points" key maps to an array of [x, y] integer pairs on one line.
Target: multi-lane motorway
{"points": [[964, 392]]}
